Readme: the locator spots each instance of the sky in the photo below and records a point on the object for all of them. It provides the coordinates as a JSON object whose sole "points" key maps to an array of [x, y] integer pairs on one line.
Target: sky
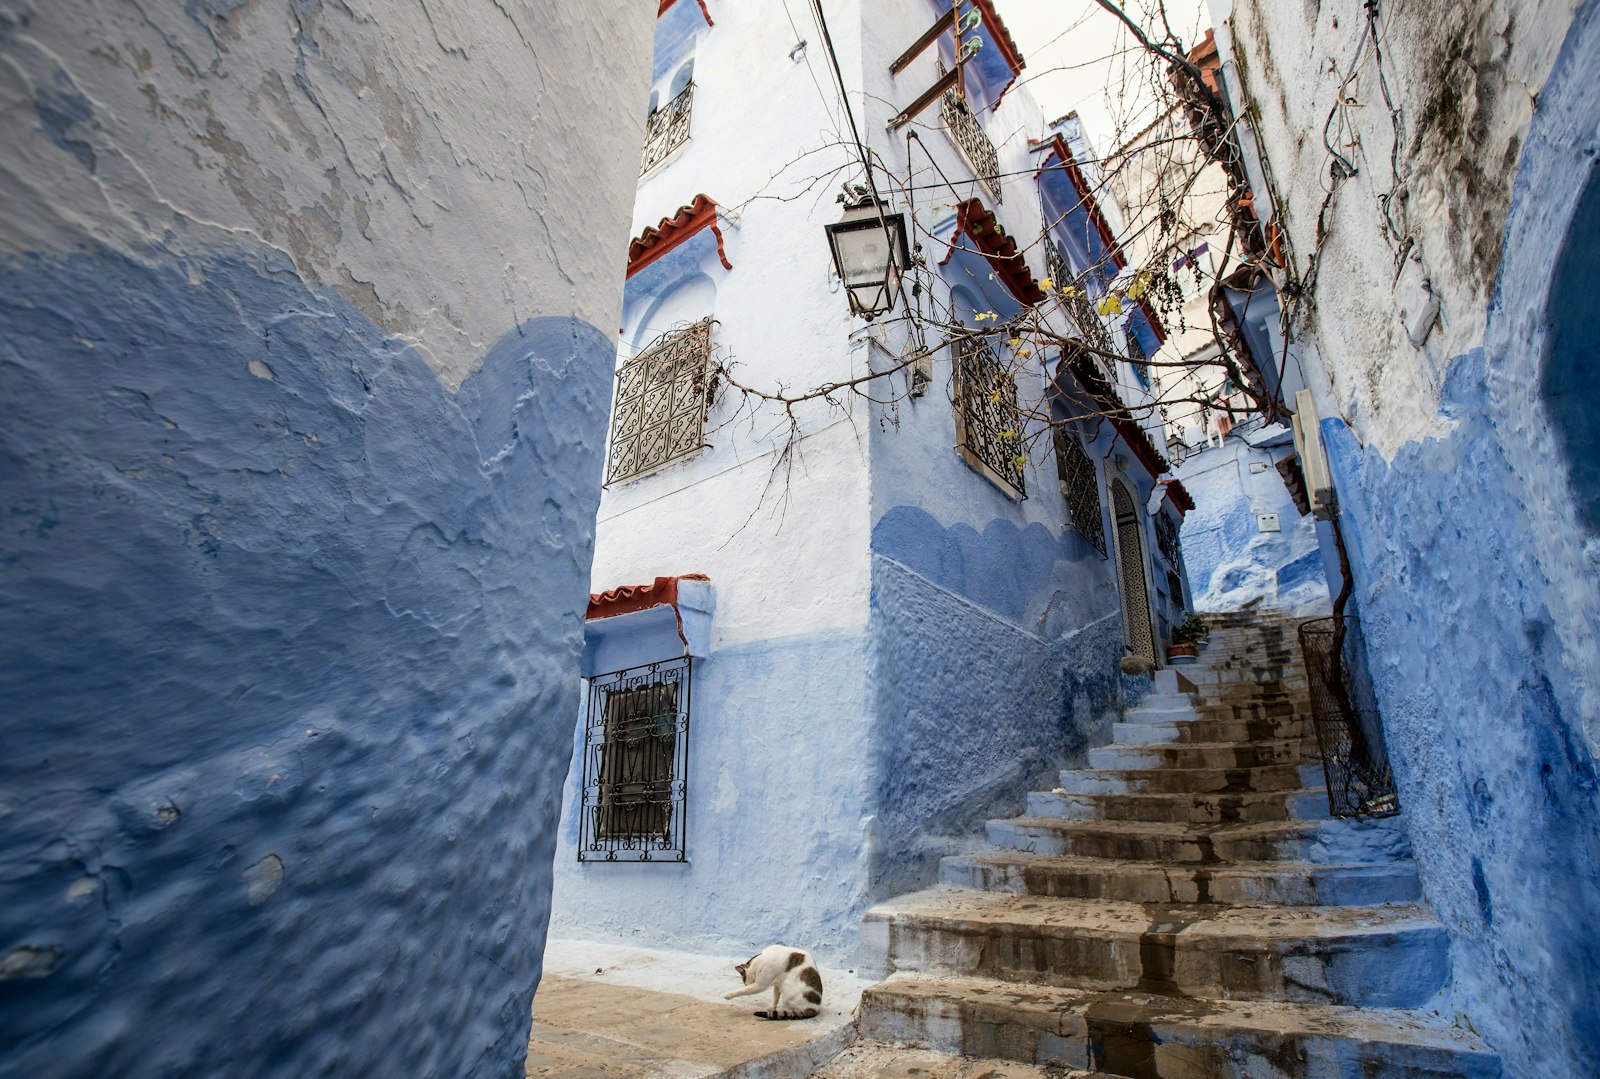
{"points": [[1076, 51]]}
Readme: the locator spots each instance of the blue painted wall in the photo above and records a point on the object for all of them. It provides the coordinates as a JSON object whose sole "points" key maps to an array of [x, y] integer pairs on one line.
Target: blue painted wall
{"points": [[1473, 554], [779, 813], [287, 677], [996, 630]]}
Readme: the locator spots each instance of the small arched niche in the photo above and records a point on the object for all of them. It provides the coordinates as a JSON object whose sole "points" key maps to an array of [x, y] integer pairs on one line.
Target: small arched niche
{"points": [[1568, 382]]}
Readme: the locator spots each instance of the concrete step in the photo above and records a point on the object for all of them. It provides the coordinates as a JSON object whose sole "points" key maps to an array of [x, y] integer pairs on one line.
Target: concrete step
{"points": [[1336, 841], [1274, 883], [1302, 804], [1238, 731], [1197, 755], [1276, 777], [1391, 956], [1142, 1034]]}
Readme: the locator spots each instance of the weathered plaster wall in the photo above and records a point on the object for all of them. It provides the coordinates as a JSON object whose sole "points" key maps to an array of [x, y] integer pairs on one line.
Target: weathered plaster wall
{"points": [[1474, 565], [1232, 563], [303, 398]]}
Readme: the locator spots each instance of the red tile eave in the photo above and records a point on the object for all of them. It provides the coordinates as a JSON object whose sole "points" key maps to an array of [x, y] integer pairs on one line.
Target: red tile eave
{"points": [[1002, 39], [1085, 196], [665, 4], [978, 225], [652, 243], [628, 598], [1155, 323], [1104, 395], [1179, 496]]}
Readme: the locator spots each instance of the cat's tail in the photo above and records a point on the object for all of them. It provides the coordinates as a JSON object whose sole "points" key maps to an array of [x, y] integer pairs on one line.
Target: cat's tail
{"points": [[809, 1013]]}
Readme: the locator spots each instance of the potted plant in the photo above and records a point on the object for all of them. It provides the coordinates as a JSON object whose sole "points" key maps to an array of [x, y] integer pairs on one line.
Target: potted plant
{"points": [[1186, 638]]}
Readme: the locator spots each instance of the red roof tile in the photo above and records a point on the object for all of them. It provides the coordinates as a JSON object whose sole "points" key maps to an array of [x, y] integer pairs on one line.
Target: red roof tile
{"points": [[980, 226], [652, 243], [665, 4], [1106, 399], [1179, 495], [1003, 41], [625, 599], [1080, 184]]}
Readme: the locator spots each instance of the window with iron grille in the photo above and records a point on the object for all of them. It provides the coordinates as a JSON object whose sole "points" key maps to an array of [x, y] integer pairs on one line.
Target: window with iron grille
{"points": [[1137, 358], [662, 398], [1167, 539], [635, 765], [988, 425], [968, 133], [1081, 488], [666, 129], [1081, 307]]}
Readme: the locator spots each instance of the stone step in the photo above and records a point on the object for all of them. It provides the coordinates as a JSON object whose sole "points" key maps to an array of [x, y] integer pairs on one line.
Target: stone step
{"points": [[885, 1060], [1277, 777], [1124, 757], [1189, 731], [1336, 841], [1390, 956], [1302, 804], [1274, 883], [1141, 1034]]}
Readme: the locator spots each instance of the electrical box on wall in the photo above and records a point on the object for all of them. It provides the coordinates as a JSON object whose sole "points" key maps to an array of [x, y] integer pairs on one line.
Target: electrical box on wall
{"points": [[1267, 522]]}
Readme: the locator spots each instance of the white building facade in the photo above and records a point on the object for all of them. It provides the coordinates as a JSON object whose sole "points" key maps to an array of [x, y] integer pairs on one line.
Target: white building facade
{"points": [[833, 630]]}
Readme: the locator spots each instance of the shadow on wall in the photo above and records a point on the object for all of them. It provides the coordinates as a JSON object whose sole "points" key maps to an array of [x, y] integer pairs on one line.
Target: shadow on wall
{"points": [[287, 684]]}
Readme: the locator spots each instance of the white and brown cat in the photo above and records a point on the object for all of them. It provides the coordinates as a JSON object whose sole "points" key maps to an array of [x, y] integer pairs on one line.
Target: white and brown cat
{"points": [[791, 975]]}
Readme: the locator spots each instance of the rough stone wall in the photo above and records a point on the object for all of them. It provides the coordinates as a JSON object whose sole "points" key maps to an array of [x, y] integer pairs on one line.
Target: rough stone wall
{"points": [[1474, 566], [304, 405]]}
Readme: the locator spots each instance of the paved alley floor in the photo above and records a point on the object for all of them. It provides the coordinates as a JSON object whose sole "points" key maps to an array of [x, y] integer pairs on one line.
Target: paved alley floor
{"points": [[603, 1011]]}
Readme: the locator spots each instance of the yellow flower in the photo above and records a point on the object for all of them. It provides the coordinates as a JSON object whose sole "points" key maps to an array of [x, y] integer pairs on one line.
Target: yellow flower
{"points": [[1008, 433], [995, 397], [1014, 342], [1111, 305], [1025, 353], [1047, 284], [1019, 460]]}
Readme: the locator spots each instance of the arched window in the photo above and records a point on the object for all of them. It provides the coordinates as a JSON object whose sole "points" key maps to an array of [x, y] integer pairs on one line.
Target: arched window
{"points": [[682, 79]]}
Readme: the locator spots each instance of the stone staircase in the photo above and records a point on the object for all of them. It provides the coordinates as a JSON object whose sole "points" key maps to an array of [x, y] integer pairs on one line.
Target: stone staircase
{"points": [[1182, 908]]}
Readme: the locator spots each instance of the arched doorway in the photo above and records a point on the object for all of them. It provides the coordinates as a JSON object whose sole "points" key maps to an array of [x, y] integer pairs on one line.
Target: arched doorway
{"points": [[1130, 573]]}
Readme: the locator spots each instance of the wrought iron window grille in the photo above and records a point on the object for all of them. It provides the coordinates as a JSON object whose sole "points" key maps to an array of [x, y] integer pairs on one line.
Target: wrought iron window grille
{"points": [[1137, 358], [663, 398], [1055, 263], [1090, 326], [635, 765], [967, 132], [1344, 708], [1080, 486], [988, 423], [666, 129], [1167, 540]]}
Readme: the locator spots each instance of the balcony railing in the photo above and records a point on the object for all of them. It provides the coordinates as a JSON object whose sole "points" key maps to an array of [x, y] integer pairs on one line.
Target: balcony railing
{"points": [[968, 134], [666, 130]]}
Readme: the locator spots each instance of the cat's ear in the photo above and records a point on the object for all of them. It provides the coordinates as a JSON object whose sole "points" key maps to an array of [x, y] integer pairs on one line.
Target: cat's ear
{"points": [[740, 968]]}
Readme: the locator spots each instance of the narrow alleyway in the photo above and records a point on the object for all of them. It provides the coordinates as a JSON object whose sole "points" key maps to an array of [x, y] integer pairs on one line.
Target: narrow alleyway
{"points": [[1184, 907]]}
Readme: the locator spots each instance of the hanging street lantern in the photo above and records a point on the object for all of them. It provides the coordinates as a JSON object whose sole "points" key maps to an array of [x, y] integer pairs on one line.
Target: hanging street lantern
{"points": [[870, 255]]}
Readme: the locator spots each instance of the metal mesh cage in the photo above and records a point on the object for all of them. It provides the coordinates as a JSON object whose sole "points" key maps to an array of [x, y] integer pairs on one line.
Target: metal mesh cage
{"points": [[1345, 711]]}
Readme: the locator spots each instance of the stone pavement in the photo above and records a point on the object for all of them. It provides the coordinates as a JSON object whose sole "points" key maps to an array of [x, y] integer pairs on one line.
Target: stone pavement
{"points": [[606, 1012]]}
